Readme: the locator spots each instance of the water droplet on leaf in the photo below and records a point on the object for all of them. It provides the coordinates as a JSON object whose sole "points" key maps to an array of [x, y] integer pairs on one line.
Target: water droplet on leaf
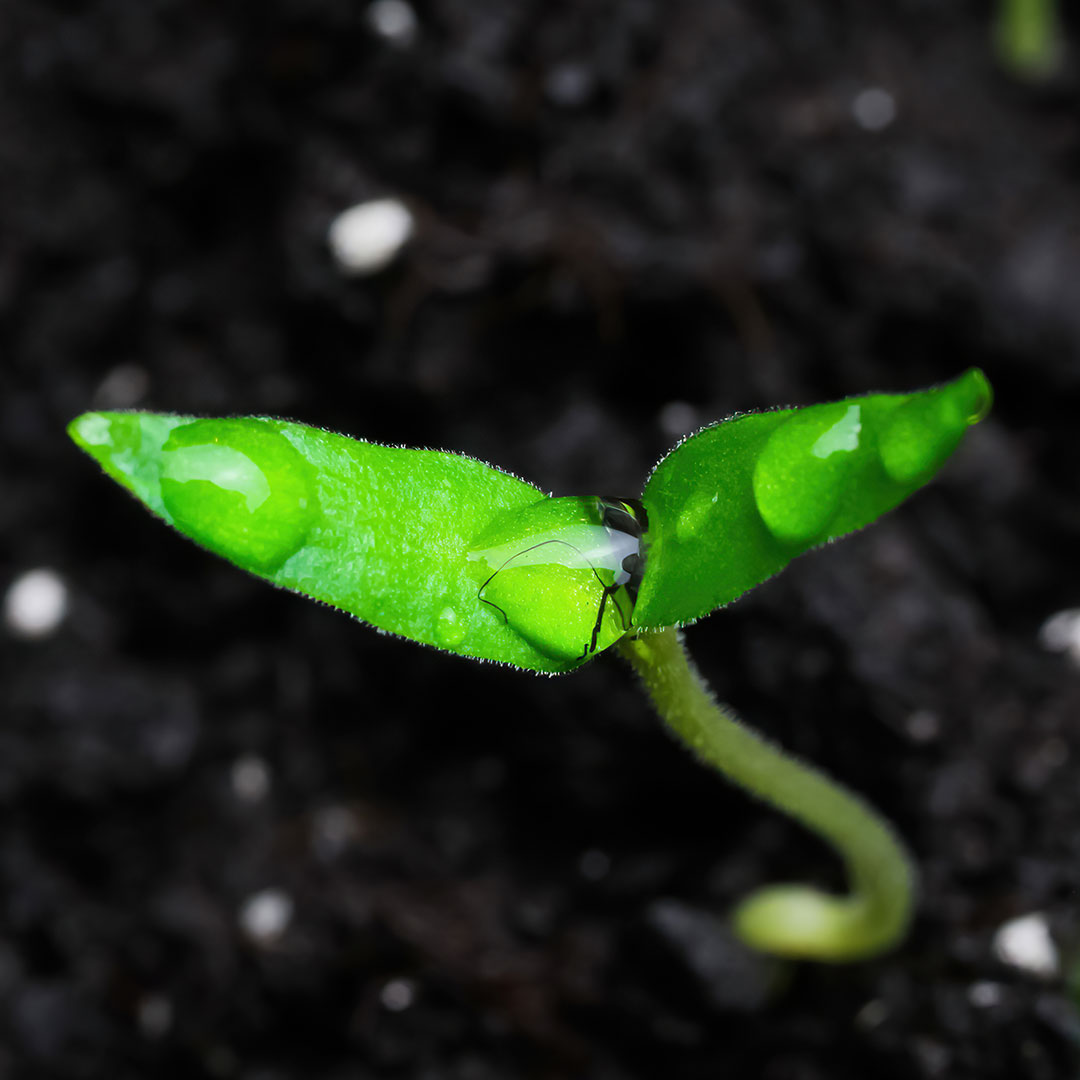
{"points": [[694, 515], [800, 473], [556, 575], [240, 488], [924, 431], [450, 629]]}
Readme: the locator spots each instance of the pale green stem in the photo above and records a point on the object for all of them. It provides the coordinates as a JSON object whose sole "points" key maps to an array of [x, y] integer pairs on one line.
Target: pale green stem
{"points": [[788, 920], [1028, 37]]}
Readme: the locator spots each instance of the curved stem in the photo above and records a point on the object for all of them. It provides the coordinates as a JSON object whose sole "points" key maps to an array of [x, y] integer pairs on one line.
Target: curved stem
{"points": [[789, 920]]}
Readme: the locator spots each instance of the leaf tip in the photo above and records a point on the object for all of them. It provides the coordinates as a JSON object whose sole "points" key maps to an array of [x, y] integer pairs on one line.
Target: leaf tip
{"points": [[88, 430], [974, 395]]}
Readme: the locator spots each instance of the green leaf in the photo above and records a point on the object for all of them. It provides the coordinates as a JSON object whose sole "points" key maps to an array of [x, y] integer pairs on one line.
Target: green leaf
{"points": [[380, 532], [447, 551], [735, 503]]}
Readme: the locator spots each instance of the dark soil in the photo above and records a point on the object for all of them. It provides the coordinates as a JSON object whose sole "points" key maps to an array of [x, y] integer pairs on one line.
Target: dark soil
{"points": [[621, 206]]}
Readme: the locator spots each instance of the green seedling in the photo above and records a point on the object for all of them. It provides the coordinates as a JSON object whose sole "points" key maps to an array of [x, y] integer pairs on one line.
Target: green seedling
{"points": [[447, 551], [1028, 38]]}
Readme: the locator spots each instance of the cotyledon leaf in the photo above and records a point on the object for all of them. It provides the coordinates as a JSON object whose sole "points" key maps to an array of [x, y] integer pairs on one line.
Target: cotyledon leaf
{"points": [[735, 503], [381, 532]]}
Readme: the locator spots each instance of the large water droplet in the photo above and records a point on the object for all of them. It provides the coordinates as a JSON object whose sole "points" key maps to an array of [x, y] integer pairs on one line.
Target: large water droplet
{"points": [[222, 466], [925, 430], [799, 475], [240, 488], [450, 628]]}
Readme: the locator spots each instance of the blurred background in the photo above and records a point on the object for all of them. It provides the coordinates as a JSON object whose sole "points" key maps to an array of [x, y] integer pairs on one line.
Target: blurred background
{"points": [[244, 837]]}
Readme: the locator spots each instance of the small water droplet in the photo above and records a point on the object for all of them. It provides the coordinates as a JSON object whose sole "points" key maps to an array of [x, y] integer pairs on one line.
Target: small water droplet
{"points": [[693, 516], [925, 430], [450, 628], [92, 429], [799, 476], [973, 396], [240, 488]]}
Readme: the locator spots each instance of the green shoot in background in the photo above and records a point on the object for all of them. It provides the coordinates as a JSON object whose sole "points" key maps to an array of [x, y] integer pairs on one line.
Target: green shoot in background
{"points": [[1028, 38], [453, 553]]}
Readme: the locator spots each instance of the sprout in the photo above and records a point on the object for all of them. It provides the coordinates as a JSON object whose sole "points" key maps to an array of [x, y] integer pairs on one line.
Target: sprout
{"points": [[449, 552]]}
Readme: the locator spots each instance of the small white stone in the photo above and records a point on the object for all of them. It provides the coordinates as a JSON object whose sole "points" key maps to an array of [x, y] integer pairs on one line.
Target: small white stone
{"points": [[123, 387], [569, 84], [874, 108], [394, 20], [155, 1014], [923, 726], [250, 777], [36, 603], [333, 829], [1025, 943], [1061, 633], [872, 1015], [398, 994], [266, 915], [985, 994], [678, 418], [368, 237], [594, 864]]}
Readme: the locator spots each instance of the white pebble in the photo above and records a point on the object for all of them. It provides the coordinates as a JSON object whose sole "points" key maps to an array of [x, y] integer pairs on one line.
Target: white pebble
{"points": [[985, 994], [123, 387], [266, 915], [155, 1014], [923, 726], [367, 237], [872, 1015], [394, 20], [1025, 943], [594, 864], [36, 603], [678, 418], [398, 994], [333, 829], [250, 777], [1061, 633], [569, 84], [874, 109]]}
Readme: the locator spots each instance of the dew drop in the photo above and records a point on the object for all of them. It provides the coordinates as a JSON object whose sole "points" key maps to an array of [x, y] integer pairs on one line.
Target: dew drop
{"points": [[450, 628], [692, 517], [799, 475], [240, 488], [222, 466], [92, 429], [925, 430], [973, 396]]}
